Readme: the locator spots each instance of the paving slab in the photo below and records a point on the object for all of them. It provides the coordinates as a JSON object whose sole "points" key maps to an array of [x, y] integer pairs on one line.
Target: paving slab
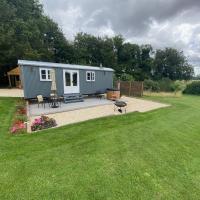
{"points": [[34, 110]]}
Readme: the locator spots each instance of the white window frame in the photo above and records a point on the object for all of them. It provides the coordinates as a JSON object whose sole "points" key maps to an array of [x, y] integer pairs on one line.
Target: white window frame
{"points": [[46, 71], [92, 76]]}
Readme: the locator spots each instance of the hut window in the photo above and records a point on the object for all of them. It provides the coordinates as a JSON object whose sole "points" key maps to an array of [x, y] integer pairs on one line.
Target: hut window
{"points": [[45, 74], [90, 76]]}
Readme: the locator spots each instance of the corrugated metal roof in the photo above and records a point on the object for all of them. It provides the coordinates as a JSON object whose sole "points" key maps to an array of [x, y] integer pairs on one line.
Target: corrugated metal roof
{"points": [[60, 65]]}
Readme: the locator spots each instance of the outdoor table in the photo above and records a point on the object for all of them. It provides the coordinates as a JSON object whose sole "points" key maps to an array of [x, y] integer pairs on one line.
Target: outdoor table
{"points": [[54, 102], [100, 96], [120, 105]]}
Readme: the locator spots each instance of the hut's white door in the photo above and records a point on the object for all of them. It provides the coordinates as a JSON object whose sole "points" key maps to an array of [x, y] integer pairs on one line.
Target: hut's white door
{"points": [[71, 81]]}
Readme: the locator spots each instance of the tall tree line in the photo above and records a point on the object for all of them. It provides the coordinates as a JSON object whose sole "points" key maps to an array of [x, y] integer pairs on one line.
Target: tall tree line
{"points": [[131, 60], [26, 33]]}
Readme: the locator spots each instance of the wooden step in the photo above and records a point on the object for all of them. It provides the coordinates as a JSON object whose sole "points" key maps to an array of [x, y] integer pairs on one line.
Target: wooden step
{"points": [[71, 98]]}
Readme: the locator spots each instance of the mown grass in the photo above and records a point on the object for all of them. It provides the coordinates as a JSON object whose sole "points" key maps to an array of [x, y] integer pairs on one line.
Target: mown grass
{"points": [[153, 155]]}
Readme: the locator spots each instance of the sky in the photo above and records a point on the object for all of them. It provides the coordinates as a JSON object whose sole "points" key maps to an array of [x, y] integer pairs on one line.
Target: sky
{"points": [[161, 23]]}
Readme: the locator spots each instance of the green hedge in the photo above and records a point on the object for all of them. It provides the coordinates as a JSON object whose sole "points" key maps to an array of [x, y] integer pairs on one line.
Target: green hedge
{"points": [[193, 88], [164, 85], [151, 85]]}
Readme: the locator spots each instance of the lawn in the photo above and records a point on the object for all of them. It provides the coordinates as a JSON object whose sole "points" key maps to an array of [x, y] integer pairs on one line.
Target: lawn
{"points": [[154, 155]]}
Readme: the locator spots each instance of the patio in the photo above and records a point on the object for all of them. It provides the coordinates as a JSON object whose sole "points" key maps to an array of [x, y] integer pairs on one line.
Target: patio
{"points": [[90, 109], [14, 92], [33, 109]]}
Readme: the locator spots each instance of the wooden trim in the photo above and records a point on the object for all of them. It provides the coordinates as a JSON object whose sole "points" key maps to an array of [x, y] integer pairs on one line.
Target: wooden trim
{"points": [[10, 85]]}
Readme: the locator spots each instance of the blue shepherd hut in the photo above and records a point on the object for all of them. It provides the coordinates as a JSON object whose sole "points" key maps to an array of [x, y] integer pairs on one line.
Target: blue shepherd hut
{"points": [[70, 79]]}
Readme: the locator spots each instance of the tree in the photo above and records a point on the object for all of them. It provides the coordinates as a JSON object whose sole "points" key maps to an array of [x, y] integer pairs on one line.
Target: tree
{"points": [[173, 64], [88, 49], [136, 60], [129, 59], [26, 33], [109, 53], [91, 50], [146, 62]]}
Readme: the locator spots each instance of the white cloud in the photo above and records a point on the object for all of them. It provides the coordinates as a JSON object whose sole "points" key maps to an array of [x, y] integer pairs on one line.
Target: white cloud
{"points": [[173, 23]]}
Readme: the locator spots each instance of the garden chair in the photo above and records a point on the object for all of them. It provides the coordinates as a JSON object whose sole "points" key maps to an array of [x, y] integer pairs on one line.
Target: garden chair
{"points": [[40, 100]]}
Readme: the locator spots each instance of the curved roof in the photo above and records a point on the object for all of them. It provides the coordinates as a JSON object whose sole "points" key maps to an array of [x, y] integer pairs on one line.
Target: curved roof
{"points": [[60, 65]]}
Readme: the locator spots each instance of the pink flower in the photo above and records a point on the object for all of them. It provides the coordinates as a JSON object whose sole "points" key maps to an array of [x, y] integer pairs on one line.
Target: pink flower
{"points": [[17, 127], [21, 126], [13, 129], [37, 121]]}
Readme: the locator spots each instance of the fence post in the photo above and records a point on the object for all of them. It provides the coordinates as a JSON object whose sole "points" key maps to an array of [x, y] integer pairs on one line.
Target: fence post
{"points": [[129, 88], [118, 85], [142, 89]]}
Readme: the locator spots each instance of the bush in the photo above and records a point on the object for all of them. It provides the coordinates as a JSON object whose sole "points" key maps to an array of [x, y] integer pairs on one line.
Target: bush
{"points": [[20, 118], [43, 122], [178, 86], [21, 107], [193, 88], [126, 77], [166, 85], [21, 110], [18, 127], [151, 85]]}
